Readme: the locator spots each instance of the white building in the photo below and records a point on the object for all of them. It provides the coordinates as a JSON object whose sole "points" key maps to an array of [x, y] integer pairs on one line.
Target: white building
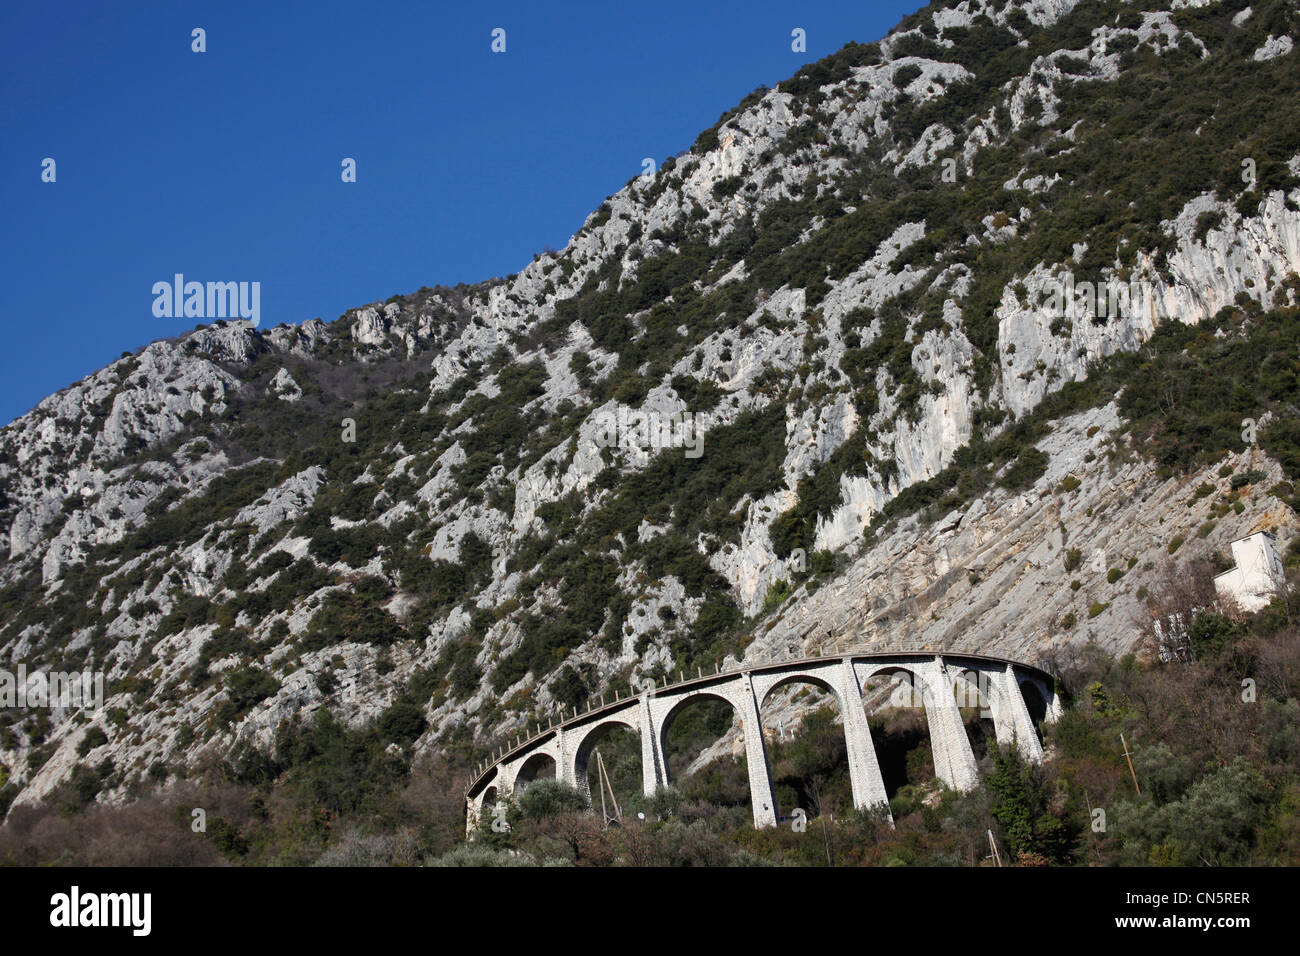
{"points": [[1258, 576]]}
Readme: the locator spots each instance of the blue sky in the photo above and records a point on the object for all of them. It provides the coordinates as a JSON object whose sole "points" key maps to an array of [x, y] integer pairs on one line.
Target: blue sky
{"points": [[225, 165]]}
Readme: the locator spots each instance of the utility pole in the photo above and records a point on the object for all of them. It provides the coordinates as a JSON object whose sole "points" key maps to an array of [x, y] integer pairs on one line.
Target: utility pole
{"points": [[1129, 758], [993, 845], [1091, 839], [606, 785], [826, 840]]}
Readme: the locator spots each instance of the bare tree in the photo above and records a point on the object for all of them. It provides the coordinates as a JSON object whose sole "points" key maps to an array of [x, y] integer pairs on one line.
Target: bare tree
{"points": [[1180, 592]]}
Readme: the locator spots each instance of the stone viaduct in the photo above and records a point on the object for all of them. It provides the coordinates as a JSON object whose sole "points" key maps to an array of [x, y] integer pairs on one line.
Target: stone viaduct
{"points": [[931, 679]]}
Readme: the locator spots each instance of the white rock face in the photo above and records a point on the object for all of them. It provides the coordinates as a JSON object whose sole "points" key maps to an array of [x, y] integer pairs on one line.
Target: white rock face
{"points": [[1040, 349], [993, 577], [285, 502], [371, 327], [285, 388], [1274, 47], [75, 439]]}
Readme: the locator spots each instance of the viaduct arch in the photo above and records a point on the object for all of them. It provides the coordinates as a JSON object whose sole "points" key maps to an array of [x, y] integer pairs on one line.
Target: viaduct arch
{"points": [[938, 677]]}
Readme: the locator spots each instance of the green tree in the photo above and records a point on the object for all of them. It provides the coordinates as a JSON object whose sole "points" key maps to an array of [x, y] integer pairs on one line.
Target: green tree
{"points": [[1022, 806]]}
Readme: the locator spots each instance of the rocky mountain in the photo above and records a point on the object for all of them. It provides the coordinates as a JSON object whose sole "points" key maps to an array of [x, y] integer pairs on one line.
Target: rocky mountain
{"points": [[939, 341]]}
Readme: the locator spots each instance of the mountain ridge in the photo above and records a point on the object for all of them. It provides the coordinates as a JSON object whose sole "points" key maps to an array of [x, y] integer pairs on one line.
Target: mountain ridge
{"points": [[852, 326]]}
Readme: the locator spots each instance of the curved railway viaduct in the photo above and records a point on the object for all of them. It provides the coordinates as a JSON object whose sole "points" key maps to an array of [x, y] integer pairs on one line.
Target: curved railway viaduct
{"points": [[1008, 689]]}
